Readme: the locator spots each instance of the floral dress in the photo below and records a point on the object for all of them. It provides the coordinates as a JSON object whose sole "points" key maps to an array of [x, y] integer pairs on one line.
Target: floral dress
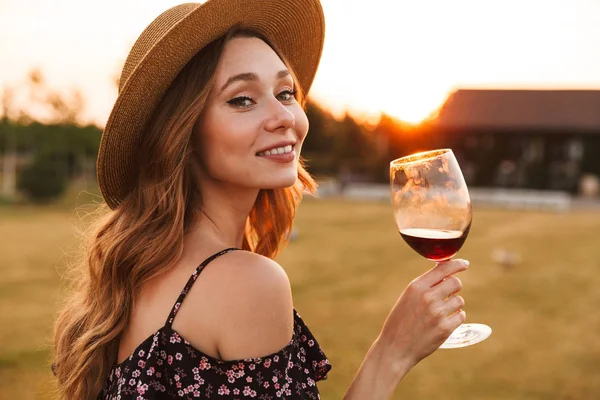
{"points": [[166, 366]]}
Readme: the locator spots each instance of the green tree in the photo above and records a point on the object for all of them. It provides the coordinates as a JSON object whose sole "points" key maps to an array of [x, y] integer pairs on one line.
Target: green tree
{"points": [[44, 121], [43, 179]]}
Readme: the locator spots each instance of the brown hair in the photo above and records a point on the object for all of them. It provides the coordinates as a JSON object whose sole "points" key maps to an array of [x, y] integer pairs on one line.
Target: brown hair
{"points": [[144, 236]]}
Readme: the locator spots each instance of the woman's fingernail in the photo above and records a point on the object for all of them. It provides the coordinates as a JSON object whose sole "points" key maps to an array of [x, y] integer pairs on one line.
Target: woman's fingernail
{"points": [[467, 263]]}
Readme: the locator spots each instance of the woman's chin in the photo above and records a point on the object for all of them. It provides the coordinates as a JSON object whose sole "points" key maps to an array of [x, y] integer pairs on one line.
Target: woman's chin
{"points": [[281, 183]]}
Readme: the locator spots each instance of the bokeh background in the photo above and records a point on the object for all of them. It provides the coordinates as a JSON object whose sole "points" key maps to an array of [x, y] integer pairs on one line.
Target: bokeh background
{"points": [[512, 87]]}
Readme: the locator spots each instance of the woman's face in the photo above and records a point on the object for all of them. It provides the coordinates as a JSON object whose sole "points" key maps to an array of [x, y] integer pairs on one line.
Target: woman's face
{"points": [[251, 131]]}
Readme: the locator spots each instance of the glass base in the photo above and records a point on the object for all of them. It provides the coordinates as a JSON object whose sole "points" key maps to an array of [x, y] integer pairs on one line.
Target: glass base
{"points": [[467, 335]]}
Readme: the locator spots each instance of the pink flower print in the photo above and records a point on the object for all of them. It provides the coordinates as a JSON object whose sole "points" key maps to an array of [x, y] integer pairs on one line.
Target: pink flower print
{"points": [[163, 354], [137, 398], [142, 389], [150, 371], [175, 338], [159, 362], [249, 392], [136, 373], [158, 374], [236, 391], [276, 386], [204, 364], [306, 370], [274, 379], [290, 364], [132, 382], [288, 392], [252, 367], [303, 338], [267, 363], [311, 343], [180, 393], [303, 385], [266, 384], [178, 356], [196, 386], [310, 382], [196, 393], [195, 370], [178, 385], [141, 353], [276, 358], [170, 360], [141, 363], [249, 379], [176, 377], [223, 390]]}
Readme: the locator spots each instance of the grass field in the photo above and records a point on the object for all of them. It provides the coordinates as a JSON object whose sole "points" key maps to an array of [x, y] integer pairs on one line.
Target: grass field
{"points": [[347, 267]]}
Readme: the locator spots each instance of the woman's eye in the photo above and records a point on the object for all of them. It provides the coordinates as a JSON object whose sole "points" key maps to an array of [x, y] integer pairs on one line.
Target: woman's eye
{"points": [[287, 95], [242, 102]]}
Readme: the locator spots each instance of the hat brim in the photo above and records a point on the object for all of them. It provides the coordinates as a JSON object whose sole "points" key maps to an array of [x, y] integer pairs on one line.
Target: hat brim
{"points": [[296, 28]]}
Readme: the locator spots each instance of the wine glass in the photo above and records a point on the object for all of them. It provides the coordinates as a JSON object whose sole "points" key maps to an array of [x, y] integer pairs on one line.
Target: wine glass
{"points": [[432, 209]]}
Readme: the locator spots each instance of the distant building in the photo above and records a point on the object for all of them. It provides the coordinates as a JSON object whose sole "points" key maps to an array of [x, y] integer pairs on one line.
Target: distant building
{"points": [[543, 139]]}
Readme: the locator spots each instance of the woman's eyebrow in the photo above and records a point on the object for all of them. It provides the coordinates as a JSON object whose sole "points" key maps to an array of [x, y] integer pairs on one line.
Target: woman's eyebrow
{"points": [[250, 76]]}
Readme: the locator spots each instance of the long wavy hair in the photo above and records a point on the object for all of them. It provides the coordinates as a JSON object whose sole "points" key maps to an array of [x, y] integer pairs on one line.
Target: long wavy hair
{"points": [[144, 236]]}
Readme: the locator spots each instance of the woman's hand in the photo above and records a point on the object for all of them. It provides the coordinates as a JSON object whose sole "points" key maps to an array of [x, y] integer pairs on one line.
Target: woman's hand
{"points": [[423, 317], [425, 314]]}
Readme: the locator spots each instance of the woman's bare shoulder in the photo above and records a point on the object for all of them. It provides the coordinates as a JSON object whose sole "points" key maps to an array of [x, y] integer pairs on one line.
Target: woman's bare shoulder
{"points": [[243, 267], [245, 301]]}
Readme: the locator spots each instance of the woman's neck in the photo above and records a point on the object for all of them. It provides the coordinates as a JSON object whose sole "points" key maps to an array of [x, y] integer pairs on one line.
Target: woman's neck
{"points": [[222, 217]]}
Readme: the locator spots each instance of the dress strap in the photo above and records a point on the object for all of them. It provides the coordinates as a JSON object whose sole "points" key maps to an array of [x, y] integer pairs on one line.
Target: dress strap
{"points": [[190, 283]]}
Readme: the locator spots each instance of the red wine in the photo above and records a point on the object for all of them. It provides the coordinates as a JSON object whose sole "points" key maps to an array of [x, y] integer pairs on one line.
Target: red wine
{"points": [[435, 244]]}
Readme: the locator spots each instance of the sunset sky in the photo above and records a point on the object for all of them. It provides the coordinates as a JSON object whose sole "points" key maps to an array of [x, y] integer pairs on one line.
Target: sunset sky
{"points": [[397, 56]]}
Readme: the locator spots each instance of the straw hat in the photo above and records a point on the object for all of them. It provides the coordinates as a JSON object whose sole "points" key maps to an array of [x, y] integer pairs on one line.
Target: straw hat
{"points": [[296, 27]]}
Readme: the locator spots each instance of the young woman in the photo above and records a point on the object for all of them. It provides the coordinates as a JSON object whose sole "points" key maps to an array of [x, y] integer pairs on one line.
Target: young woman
{"points": [[179, 296]]}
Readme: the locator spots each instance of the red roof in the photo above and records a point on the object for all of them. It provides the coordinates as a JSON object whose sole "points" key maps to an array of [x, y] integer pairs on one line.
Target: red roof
{"points": [[573, 110]]}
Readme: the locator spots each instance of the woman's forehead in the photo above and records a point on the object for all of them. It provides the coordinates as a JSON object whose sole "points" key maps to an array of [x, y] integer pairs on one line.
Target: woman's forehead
{"points": [[249, 55]]}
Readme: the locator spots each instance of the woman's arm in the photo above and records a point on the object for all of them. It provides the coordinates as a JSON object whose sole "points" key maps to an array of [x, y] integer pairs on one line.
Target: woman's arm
{"points": [[378, 375], [424, 316]]}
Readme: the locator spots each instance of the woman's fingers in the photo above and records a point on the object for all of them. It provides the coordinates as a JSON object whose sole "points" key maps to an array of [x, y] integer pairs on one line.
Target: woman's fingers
{"points": [[443, 270], [447, 287], [451, 306], [454, 321]]}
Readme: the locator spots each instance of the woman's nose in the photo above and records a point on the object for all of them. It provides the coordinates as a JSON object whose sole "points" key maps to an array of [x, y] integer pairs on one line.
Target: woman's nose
{"points": [[279, 118]]}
